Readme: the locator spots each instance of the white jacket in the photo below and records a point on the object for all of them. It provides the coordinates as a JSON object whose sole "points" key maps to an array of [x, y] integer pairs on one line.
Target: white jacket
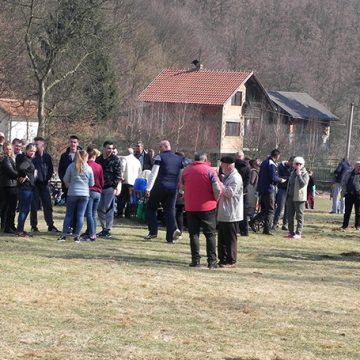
{"points": [[230, 207], [131, 168]]}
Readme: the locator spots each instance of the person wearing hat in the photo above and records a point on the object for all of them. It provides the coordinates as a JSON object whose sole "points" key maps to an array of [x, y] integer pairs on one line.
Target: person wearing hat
{"points": [[296, 195], [350, 185], [230, 212]]}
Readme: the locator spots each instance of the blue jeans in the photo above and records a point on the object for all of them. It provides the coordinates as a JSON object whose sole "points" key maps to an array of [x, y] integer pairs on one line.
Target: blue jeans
{"points": [[25, 199], [91, 212], [78, 204], [280, 201]]}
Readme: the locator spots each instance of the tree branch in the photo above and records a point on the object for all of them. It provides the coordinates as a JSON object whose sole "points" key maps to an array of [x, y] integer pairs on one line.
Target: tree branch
{"points": [[29, 43], [57, 81]]}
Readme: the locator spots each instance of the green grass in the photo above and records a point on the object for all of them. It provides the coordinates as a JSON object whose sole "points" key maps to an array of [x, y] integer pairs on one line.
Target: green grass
{"points": [[126, 298]]}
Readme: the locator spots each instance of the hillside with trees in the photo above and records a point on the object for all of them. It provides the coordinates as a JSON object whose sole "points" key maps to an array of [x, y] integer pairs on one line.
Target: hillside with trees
{"points": [[86, 61]]}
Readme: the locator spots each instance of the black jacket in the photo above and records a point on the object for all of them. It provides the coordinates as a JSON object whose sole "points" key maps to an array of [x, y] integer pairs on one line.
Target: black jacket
{"points": [[65, 161], [244, 170], [44, 166], [145, 160], [25, 167], [8, 172]]}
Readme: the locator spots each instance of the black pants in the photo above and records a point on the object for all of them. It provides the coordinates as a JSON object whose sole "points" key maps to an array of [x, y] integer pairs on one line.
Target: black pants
{"points": [[207, 221], [243, 224], [227, 242], [350, 201], [179, 211], [267, 203], [124, 201], [167, 199], [9, 200], [41, 194]]}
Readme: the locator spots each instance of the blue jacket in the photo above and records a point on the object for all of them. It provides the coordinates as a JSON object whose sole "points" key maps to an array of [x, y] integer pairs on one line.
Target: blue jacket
{"points": [[268, 177], [343, 167]]}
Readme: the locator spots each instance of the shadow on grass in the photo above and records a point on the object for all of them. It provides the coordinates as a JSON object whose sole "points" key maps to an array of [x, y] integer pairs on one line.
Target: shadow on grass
{"points": [[352, 256]]}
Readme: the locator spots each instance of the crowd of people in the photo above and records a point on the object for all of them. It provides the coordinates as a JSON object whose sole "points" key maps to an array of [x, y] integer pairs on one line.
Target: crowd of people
{"points": [[223, 202]]}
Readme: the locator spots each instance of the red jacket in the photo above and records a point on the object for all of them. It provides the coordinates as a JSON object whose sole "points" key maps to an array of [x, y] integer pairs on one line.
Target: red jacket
{"points": [[98, 176], [198, 179]]}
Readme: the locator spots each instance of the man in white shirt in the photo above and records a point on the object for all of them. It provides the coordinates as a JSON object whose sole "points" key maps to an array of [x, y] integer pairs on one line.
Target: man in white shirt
{"points": [[131, 168]]}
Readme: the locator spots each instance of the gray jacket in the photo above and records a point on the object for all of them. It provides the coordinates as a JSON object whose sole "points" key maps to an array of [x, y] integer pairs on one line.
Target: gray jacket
{"points": [[230, 207], [300, 183], [78, 184]]}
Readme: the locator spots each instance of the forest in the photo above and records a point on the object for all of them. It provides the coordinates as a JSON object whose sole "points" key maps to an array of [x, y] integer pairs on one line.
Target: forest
{"points": [[86, 61]]}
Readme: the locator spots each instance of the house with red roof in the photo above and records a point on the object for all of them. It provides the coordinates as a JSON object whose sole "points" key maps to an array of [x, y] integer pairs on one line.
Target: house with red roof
{"points": [[201, 109], [18, 119]]}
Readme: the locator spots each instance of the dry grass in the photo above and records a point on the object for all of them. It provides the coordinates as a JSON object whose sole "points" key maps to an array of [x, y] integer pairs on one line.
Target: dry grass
{"points": [[125, 298]]}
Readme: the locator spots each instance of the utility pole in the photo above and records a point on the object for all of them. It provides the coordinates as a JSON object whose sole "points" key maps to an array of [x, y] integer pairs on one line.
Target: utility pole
{"points": [[349, 129]]}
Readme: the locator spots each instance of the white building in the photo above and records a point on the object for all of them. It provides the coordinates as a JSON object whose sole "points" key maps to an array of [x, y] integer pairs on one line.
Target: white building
{"points": [[18, 119]]}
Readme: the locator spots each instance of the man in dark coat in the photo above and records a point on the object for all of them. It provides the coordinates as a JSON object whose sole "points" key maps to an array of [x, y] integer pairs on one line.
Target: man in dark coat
{"points": [[243, 169]]}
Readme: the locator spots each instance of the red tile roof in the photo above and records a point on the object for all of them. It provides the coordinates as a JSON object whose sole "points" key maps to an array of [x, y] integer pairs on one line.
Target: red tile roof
{"points": [[26, 109], [194, 86]]}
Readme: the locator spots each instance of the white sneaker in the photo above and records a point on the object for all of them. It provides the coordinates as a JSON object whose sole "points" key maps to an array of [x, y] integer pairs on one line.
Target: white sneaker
{"points": [[176, 234], [297, 236]]}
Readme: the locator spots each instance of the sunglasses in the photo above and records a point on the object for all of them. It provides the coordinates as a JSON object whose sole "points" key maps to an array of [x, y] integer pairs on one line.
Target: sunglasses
{"points": [[298, 163]]}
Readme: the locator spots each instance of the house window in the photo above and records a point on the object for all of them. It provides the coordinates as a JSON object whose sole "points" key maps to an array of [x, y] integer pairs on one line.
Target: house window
{"points": [[232, 129], [237, 99]]}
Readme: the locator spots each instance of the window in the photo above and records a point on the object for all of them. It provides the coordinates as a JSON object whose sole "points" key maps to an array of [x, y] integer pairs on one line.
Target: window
{"points": [[232, 129], [237, 99]]}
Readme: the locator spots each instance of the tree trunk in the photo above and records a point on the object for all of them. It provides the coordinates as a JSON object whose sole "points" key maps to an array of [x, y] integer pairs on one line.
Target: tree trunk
{"points": [[41, 110]]}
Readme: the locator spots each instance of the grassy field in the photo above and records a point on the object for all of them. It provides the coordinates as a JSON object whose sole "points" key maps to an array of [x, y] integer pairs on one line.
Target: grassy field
{"points": [[126, 298]]}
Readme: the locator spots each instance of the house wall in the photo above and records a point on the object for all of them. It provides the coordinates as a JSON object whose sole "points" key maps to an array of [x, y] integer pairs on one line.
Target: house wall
{"points": [[20, 128], [4, 122], [232, 113]]}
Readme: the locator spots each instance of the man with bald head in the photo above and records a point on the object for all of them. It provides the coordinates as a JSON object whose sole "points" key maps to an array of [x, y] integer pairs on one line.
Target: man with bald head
{"points": [[162, 188]]}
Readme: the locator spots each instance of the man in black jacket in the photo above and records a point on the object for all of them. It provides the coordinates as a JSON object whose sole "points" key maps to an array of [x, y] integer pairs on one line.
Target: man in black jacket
{"points": [[142, 156], [243, 169], [66, 159], [43, 172]]}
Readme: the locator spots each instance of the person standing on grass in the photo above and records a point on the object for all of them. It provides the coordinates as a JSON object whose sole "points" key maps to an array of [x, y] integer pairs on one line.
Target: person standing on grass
{"points": [[26, 184], [338, 202], [296, 196], [111, 166], [284, 171], [43, 173], [351, 193], [243, 168], [8, 189], [144, 158], [66, 159], [202, 188], [162, 188], [78, 178], [95, 193], [230, 211], [131, 171], [267, 186]]}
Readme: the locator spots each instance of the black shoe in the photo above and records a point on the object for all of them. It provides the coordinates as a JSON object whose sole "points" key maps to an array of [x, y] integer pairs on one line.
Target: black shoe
{"points": [[35, 229], [195, 264], [213, 265], [53, 229], [268, 233], [62, 238], [77, 239], [149, 237], [252, 226], [9, 231], [285, 228]]}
